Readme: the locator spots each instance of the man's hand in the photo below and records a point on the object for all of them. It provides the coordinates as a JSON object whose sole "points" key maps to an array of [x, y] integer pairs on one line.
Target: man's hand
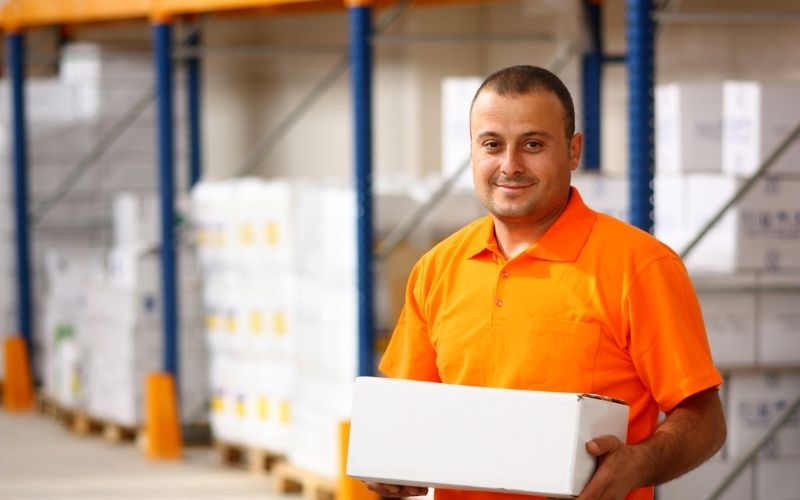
{"points": [[691, 433], [619, 470], [396, 490]]}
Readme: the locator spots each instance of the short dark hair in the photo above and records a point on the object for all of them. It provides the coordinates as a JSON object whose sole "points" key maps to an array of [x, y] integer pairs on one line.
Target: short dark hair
{"points": [[525, 79]]}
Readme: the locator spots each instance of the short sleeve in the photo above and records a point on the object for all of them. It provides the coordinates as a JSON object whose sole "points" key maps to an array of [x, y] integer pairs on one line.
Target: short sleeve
{"points": [[668, 342], [410, 354]]}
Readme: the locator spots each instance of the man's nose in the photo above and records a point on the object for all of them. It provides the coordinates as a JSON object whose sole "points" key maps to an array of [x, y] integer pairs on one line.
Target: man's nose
{"points": [[511, 162]]}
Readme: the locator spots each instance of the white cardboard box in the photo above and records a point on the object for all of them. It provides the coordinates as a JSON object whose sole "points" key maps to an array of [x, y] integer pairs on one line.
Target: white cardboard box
{"points": [[754, 401], [730, 318], [604, 193], [778, 480], [454, 436], [457, 95], [701, 481], [762, 232], [688, 127], [756, 117], [778, 327]]}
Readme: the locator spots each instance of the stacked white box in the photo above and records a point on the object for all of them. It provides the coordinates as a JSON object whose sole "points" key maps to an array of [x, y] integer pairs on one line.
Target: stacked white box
{"points": [[121, 322], [688, 130], [777, 480], [223, 379], [65, 352], [700, 482], [604, 193], [779, 334], [280, 293], [51, 100], [729, 310], [457, 94], [124, 321], [244, 235], [757, 116], [326, 314], [755, 400], [136, 221], [67, 115], [761, 232], [270, 404]]}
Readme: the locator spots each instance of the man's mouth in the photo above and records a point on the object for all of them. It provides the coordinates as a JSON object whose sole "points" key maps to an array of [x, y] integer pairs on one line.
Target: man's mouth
{"points": [[514, 185]]}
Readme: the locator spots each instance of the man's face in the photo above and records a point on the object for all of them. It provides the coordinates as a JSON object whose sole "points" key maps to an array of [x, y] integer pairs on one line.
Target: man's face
{"points": [[521, 158]]}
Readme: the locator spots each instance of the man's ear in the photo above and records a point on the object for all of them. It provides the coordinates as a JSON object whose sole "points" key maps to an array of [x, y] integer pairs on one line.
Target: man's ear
{"points": [[575, 149]]}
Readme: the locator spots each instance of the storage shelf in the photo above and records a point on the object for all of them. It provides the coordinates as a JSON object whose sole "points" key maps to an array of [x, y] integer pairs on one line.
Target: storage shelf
{"points": [[19, 14]]}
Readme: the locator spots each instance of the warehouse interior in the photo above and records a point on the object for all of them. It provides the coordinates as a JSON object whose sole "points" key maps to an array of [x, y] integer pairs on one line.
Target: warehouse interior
{"points": [[293, 221]]}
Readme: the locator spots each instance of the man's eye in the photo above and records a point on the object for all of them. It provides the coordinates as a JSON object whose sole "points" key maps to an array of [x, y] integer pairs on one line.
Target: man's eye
{"points": [[491, 144], [533, 144]]}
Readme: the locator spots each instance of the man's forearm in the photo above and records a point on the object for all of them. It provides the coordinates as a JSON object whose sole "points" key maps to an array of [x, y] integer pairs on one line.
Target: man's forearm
{"points": [[690, 435]]}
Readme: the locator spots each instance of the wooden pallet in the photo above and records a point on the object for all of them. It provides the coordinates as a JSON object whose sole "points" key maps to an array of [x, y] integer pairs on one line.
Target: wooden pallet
{"points": [[258, 460], [78, 421], [46, 405], [229, 453], [287, 478], [118, 433], [81, 422]]}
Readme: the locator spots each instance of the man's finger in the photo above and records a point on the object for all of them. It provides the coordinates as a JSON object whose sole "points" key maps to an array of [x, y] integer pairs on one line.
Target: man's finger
{"points": [[416, 491], [382, 488], [396, 490], [602, 445]]}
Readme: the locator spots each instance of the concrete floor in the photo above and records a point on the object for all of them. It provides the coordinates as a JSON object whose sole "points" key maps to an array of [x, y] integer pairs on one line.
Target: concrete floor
{"points": [[42, 460]]}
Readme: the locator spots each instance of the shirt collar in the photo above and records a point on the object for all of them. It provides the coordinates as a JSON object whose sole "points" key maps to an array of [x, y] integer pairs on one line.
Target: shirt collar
{"points": [[562, 242]]}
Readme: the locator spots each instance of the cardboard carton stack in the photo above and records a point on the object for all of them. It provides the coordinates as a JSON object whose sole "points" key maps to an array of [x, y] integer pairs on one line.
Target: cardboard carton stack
{"points": [[281, 302], [123, 322], [66, 351], [66, 116], [710, 138], [327, 317], [245, 232]]}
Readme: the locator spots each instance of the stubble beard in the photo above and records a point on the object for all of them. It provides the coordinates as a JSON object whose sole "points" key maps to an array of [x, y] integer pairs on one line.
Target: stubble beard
{"points": [[518, 208], [522, 205]]}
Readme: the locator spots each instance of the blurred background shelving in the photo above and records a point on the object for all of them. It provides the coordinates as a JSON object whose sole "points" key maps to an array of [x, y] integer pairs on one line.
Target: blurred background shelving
{"points": [[268, 318]]}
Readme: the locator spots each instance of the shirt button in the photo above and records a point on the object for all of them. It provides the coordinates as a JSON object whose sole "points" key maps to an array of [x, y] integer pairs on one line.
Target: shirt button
{"points": [[504, 274], [499, 302]]}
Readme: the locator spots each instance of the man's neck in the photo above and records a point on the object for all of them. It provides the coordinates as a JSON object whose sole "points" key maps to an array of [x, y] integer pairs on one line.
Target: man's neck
{"points": [[514, 236], [513, 239]]}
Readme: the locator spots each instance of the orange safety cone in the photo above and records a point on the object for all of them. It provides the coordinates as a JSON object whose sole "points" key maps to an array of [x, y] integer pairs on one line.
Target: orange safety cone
{"points": [[162, 422], [349, 488], [18, 390]]}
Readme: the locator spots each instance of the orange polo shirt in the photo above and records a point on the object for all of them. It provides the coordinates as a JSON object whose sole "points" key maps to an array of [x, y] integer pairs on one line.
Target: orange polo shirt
{"points": [[595, 305]]}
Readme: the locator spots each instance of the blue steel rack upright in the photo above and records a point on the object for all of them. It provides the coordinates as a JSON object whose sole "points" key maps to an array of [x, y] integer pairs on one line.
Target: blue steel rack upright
{"points": [[360, 19], [162, 33], [16, 69], [640, 111]]}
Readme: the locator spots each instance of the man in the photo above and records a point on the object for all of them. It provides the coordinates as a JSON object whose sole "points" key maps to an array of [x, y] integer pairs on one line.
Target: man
{"points": [[545, 294]]}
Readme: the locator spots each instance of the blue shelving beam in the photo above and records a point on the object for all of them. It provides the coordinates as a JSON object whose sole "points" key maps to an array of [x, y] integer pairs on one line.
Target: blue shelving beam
{"points": [[16, 70], [640, 112], [162, 33], [592, 72], [360, 22]]}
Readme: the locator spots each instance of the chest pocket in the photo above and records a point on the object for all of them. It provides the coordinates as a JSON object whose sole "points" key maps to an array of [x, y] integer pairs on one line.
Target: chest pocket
{"points": [[557, 355]]}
